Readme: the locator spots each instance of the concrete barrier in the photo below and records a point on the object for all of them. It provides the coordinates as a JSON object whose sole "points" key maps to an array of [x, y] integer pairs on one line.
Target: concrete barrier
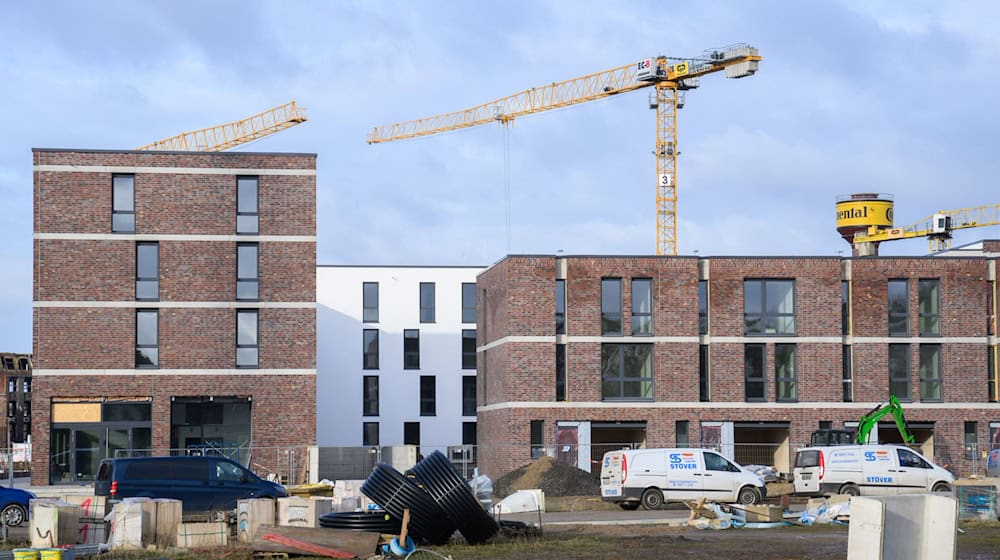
{"points": [[917, 527]]}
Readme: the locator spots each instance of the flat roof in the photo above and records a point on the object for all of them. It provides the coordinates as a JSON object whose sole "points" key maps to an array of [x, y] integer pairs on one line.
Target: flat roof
{"points": [[182, 153]]}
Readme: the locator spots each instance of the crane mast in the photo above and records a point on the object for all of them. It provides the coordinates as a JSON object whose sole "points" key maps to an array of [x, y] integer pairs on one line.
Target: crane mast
{"points": [[669, 77]]}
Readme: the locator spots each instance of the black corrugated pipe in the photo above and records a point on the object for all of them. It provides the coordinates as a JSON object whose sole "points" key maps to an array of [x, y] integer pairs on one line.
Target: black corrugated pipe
{"points": [[394, 492], [370, 521], [440, 479]]}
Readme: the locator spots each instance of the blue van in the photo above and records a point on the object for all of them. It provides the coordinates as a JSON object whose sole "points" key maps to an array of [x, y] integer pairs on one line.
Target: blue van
{"points": [[202, 483]]}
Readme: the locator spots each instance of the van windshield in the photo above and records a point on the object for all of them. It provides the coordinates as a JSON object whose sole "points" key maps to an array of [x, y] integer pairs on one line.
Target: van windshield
{"points": [[807, 458]]}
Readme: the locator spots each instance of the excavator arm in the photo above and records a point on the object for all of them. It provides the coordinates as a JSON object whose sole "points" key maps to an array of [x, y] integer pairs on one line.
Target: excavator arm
{"points": [[870, 420]]}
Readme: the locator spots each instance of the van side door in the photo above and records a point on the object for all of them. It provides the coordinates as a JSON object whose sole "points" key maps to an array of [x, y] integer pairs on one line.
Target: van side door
{"points": [[648, 468], [911, 474], [879, 472], [719, 478], [684, 475]]}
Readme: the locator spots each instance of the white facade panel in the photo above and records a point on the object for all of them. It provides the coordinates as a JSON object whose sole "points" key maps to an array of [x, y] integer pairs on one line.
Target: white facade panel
{"points": [[340, 373]]}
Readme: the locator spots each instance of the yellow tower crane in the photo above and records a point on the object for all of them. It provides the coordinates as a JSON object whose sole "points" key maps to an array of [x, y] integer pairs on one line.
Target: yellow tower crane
{"points": [[225, 136], [668, 75], [936, 228]]}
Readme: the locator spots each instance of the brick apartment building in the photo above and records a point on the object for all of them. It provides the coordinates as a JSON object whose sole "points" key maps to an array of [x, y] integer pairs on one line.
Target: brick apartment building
{"points": [[15, 376], [174, 306], [580, 354]]}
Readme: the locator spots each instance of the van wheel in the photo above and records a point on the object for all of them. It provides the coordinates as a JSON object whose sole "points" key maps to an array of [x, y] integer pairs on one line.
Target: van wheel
{"points": [[652, 499], [850, 490], [13, 515], [941, 487], [629, 506], [748, 496]]}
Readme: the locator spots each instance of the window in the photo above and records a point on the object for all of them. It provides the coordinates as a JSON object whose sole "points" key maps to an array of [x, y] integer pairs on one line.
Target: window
{"points": [[228, 472], [560, 372], [411, 349], [147, 338], [769, 307], [23, 364], [537, 440], [369, 396], [910, 459], [369, 303], [560, 307], [247, 216], [370, 349], [468, 303], [825, 424], [784, 373], [123, 203], [714, 462], [411, 433], [11, 385], [426, 302], [642, 306], [26, 385], [845, 308], [147, 271], [703, 372], [702, 306], [469, 349], [753, 371], [8, 363], [627, 371], [468, 433], [847, 373], [898, 304], [247, 350], [681, 436], [247, 282], [991, 318], [611, 306], [930, 372], [468, 395], [971, 440], [369, 434], [991, 374], [929, 306], [428, 395], [899, 371]]}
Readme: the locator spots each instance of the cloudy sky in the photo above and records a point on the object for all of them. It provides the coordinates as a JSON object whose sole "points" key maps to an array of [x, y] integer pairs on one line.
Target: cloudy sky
{"points": [[851, 96]]}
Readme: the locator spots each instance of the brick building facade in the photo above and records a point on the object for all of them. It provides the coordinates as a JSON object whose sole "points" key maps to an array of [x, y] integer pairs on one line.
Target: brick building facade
{"points": [[579, 355], [174, 306]]}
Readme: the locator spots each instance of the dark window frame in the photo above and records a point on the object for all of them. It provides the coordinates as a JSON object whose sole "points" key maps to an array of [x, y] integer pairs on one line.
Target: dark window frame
{"points": [[760, 379], [468, 395], [621, 377], [847, 372], [845, 307], [991, 374], [610, 316], [369, 395], [762, 316], [411, 429], [923, 318], [895, 314], [469, 436], [560, 306], [114, 212], [411, 358], [638, 314], [537, 438], [428, 313], [367, 356], [679, 440], [256, 204], [704, 373], [366, 440], [248, 280], [468, 355], [139, 278], [927, 382], [894, 376], [793, 379], [971, 447], [141, 347], [255, 346], [560, 372], [702, 306], [469, 308], [428, 395]]}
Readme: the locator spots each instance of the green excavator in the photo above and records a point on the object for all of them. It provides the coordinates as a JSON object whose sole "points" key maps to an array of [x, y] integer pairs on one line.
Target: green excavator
{"points": [[865, 425]]}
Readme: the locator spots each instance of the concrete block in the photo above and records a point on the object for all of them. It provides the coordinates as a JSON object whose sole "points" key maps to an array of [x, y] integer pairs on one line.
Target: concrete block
{"points": [[202, 535], [168, 517], [252, 514], [909, 527], [302, 512], [91, 507], [53, 523]]}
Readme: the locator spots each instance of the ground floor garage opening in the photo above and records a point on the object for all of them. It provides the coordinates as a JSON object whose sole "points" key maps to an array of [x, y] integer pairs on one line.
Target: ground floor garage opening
{"points": [[763, 443], [610, 436], [211, 426]]}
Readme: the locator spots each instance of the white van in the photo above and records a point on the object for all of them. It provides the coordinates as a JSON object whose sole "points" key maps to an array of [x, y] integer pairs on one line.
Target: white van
{"points": [[651, 477], [867, 470]]}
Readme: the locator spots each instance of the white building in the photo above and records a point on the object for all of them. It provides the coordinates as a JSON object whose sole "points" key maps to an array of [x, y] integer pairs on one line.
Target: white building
{"points": [[396, 355]]}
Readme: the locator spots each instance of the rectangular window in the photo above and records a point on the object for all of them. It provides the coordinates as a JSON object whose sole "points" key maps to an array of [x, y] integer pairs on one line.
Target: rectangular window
{"points": [[537, 439], [702, 306], [991, 316], [560, 307], [428, 395], [682, 437], [930, 372], [123, 203], [370, 349], [468, 433], [411, 349], [369, 302], [560, 372], [369, 434], [755, 384], [411, 433], [247, 349], [847, 373], [147, 271], [147, 338], [704, 394], [468, 395], [642, 307], [426, 302], [784, 373], [899, 302], [899, 371], [991, 374], [845, 308], [247, 274], [825, 424], [627, 371], [468, 302], [469, 349], [769, 307], [971, 440], [247, 215], [611, 306], [369, 397], [929, 306]]}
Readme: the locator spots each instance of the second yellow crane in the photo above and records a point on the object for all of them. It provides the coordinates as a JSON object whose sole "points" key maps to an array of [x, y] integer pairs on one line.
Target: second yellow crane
{"points": [[669, 76]]}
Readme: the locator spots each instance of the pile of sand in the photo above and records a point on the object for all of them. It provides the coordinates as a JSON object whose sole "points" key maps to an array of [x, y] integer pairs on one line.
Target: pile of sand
{"points": [[554, 478]]}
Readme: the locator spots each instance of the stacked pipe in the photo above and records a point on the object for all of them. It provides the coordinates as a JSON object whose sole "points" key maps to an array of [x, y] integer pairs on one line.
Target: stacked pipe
{"points": [[394, 492], [371, 522], [439, 479]]}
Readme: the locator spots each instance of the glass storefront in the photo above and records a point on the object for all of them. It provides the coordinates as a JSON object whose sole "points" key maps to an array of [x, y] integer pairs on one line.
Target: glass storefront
{"points": [[84, 432]]}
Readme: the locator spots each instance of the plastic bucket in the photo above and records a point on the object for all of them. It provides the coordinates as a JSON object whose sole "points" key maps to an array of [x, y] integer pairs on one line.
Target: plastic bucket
{"points": [[25, 554], [52, 554]]}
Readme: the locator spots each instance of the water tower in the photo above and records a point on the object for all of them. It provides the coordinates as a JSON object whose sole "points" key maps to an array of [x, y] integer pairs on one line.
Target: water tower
{"points": [[860, 211]]}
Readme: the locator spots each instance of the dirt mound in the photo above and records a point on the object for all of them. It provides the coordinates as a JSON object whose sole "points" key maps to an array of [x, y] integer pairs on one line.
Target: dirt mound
{"points": [[554, 478]]}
